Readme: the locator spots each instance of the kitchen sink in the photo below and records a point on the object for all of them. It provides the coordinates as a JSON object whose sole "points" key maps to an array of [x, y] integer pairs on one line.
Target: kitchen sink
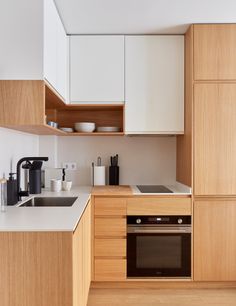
{"points": [[49, 202]]}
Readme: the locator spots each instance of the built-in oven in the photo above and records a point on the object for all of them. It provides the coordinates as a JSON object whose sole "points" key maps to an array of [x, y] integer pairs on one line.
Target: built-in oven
{"points": [[158, 246]]}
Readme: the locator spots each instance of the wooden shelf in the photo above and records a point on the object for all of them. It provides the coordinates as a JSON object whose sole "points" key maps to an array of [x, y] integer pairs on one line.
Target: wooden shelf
{"points": [[95, 134], [24, 104]]}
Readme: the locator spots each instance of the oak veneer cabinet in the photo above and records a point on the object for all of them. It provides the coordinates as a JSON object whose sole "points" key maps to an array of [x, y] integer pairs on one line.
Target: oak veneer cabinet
{"points": [[214, 52], [109, 238], [214, 139], [215, 240], [46, 268]]}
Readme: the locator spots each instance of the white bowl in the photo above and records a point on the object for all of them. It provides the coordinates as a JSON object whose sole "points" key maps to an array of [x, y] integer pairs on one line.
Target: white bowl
{"points": [[67, 130], [86, 127]]}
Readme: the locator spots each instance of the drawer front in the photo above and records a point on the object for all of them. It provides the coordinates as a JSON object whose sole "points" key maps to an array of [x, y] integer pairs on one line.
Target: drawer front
{"points": [[159, 206], [110, 269], [110, 247], [110, 207], [106, 227]]}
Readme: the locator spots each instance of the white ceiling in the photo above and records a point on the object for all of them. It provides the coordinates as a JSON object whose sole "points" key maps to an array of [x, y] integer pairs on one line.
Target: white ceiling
{"points": [[142, 16]]}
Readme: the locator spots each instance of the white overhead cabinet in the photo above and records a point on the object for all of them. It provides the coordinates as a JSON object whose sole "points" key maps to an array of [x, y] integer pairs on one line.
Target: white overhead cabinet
{"points": [[96, 69], [154, 84], [55, 49]]}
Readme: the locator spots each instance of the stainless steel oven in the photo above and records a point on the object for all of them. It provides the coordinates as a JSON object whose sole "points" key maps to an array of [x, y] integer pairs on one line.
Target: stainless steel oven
{"points": [[159, 246]]}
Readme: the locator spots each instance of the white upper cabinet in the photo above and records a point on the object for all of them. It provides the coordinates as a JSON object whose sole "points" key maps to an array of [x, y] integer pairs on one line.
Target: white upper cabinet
{"points": [[55, 49], [154, 84], [96, 69]]}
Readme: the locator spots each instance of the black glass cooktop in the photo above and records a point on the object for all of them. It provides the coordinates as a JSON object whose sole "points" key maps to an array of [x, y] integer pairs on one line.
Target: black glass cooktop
{"points": [[153, 189]]}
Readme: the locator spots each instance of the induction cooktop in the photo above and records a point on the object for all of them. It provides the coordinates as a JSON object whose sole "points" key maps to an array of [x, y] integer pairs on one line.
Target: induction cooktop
{"points": [[153, 189]]}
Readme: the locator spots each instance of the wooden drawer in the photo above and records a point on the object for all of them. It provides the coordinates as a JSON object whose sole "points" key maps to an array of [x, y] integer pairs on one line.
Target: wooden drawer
{"points": [[110, 269], [110, 207], [114, 227], [110, 247], [159, 206]]}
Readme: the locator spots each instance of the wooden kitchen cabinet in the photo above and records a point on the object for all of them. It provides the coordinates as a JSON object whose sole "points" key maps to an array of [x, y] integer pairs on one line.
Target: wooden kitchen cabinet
{"points": [[214, 52], [82, 259], [96, 69], [55, 49], [214, 139], [215, 240], [109, 238], [154, 84], [46, 268]]}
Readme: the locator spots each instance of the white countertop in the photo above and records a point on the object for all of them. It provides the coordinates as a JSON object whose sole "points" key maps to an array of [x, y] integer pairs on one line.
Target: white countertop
{"points": [[46, 218], [61, 218]]}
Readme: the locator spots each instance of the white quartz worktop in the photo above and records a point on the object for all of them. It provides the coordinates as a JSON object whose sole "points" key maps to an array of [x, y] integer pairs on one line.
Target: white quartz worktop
{"points": [[62, 218], [46, 218]]}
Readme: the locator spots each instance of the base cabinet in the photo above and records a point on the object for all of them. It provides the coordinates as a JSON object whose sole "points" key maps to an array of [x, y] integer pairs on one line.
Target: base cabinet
{"points": [[215, 240], [46, 268]]}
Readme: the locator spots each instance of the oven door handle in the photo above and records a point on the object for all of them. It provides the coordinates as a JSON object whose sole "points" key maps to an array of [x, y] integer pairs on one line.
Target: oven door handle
{"points": [[159, 230]]}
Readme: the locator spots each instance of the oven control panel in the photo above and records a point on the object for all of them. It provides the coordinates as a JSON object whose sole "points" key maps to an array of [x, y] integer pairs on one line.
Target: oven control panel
{"points": [[138, 220]]}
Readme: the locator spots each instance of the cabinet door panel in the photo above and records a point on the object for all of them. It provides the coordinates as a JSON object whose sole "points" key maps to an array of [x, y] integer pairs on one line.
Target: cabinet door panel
{"points": [[214, 240], [110, 269], [214, 139], [110, 247], [110, 227], [96, 69], [110, 207], [154, 84], [214, 52]]}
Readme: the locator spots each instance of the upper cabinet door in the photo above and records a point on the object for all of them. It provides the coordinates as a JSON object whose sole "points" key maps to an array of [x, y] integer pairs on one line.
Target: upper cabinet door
{"points": [[154, 84], [214, 139], [55, 49], [96, 69], [214, 52]]}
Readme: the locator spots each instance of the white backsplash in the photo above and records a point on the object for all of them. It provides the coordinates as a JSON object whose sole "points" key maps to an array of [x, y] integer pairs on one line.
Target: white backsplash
{"points": [[15, 145], [142, 160]]}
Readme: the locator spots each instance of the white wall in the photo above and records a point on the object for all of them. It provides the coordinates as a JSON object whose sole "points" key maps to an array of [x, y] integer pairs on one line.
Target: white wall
{"points": [[21, 32], [142, 160], [15, 145]]}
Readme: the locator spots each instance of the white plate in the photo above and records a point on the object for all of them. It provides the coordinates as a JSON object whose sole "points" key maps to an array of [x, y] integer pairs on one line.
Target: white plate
{"points": [[67, 130], [108, 129]]}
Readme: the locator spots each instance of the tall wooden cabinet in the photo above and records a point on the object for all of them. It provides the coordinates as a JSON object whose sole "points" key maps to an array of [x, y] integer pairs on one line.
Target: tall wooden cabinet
{"points": [[208, 148], [214, 240], [214, 139]]}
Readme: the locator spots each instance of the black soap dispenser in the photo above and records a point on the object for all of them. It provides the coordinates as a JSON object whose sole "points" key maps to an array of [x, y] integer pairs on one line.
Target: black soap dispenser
{"points": [[12, 197]]}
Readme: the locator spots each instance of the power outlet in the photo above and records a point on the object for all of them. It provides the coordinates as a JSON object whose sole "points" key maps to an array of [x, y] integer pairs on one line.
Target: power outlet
{"points": [[69, 165]]}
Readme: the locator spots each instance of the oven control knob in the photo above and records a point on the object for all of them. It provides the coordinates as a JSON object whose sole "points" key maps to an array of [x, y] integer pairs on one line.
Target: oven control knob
{"points": [[138, 221], [180, 221]]}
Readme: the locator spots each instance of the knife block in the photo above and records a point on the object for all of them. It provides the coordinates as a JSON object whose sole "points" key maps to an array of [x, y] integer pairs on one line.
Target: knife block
{"points": [[114, 175]]}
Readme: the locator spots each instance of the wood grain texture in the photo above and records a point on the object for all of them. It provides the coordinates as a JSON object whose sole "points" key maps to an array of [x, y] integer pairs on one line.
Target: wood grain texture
{"points": [[214, 52], [43, 129], [110, 269], [82, 259], [110, 227], [111, 190], [110, 206], [110, 247], [214, 139], [159, 206], [170, 297], [36, 269], [101, 117], [184, 142], [21, 103], [162, 284], [214, 240]]}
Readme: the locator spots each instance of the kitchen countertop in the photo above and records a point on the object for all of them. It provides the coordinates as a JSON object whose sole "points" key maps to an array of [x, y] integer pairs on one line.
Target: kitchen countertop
{"points": [[66, 218], [46, 218], [112, 191]]}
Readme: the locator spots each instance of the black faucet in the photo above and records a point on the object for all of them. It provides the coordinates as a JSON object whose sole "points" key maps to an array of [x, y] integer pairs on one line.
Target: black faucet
{"points": [[25, 193]]}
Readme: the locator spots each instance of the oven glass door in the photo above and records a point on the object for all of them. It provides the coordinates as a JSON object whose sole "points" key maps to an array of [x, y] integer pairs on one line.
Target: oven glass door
{"points": [[159, 255]]}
